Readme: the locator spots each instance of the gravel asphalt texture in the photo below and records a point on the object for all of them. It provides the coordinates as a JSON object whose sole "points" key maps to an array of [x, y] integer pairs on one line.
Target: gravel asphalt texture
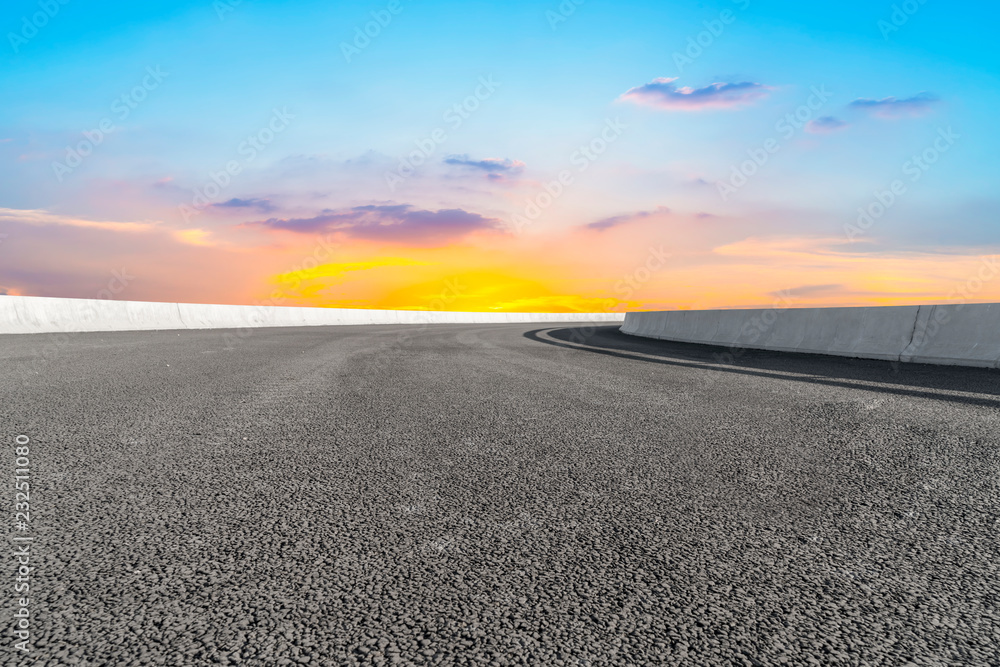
{"points": [[498, 495]]}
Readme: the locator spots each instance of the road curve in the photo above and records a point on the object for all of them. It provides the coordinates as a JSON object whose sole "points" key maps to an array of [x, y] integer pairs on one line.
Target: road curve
{"points": [[498, 495]]}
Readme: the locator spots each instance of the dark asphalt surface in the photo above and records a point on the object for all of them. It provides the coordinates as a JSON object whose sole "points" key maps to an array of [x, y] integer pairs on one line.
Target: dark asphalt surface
{"points": [[498, 495]]}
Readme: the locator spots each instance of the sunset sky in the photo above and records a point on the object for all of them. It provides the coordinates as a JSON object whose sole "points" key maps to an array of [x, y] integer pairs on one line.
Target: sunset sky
{"points": [[525, 156]]}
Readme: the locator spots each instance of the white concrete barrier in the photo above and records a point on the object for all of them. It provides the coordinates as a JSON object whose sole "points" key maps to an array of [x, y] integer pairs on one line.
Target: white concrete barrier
{"points": [[958, 334], [26, 314]]}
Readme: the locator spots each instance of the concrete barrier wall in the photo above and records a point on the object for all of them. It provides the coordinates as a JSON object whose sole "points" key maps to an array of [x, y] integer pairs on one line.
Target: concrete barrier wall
{"points": [[24, 314], [968, 333], [958, 334]]}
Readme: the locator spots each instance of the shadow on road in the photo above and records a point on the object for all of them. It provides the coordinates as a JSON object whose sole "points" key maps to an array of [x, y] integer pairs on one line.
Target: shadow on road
{"points": [[919, 380]]}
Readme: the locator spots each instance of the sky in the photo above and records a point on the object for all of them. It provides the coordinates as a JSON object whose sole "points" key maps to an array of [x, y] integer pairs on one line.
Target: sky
{"points": [[573, 156]]}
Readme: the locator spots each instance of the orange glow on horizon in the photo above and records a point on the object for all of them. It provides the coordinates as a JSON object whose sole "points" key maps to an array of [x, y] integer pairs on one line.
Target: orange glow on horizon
{"points": [[548, 277]]}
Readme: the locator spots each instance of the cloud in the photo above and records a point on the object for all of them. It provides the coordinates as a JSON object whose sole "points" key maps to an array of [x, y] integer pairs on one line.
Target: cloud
{"points": [[700, 182], [663, 94], [808, 290], [42, 218], [262, 205], [608, 223], [390, 222], [74, 260], [890, 107], [193, 237], [491, 165], [825, 125], [615, 221]]}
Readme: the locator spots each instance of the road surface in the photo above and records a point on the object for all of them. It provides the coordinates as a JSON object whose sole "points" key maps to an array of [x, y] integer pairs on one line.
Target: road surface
{"points": [[497, 495]]}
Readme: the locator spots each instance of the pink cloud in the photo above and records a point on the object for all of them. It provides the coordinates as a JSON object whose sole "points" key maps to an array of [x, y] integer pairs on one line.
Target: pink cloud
{"points": [[662, 93]]}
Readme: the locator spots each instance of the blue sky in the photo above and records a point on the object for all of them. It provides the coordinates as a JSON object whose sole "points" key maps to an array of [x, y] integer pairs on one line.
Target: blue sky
{"points": [[561, 73]]}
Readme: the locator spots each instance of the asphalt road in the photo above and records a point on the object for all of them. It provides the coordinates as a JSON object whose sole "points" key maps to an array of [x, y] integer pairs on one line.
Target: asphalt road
{"points": [[497, 495]]}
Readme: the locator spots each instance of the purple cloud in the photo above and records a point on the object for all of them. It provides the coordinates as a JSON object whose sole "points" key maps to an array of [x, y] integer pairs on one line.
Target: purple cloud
{"points": [[615, 221], [663, 94], [890, 107], [389, 222], [825, 125], [491, 165], [262, 205]]}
